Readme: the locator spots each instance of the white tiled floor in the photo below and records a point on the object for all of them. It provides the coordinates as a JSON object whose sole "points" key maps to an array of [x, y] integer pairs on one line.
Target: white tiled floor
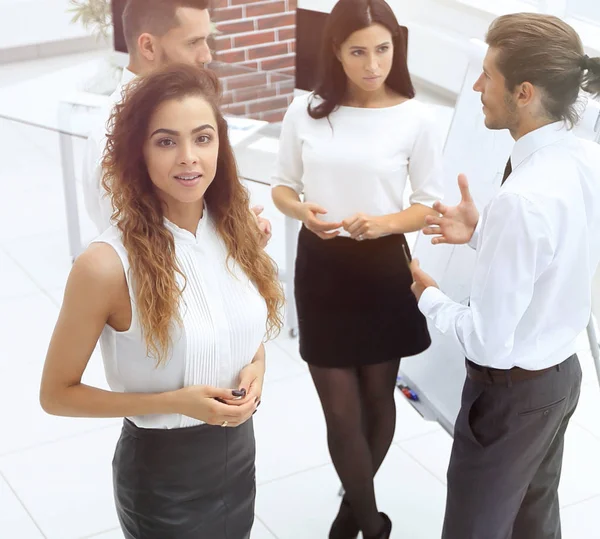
{"points": [[55, 476]]}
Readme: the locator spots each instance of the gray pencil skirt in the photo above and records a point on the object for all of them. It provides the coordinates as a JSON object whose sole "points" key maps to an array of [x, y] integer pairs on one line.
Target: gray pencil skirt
{"points": [[188, 483]]}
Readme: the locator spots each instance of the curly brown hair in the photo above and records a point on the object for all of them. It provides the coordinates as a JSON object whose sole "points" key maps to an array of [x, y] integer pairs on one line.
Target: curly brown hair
{"points": [[138, 211]]}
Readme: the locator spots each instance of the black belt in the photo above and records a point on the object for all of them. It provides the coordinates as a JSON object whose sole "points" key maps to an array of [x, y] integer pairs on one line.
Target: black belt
{"points": [[488, 375]]}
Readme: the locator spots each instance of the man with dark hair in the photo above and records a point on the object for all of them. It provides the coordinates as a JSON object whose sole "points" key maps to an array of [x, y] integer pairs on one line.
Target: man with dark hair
{"points": [[537, 250], [157, 33]]}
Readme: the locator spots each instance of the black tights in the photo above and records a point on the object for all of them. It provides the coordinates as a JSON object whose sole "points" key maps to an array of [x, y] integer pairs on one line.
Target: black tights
{"points": [[360, 413]]}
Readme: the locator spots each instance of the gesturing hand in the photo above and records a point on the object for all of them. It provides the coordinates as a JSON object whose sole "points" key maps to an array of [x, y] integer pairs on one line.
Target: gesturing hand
{"points": [[315, 225], [456, 224], [364, 227]]}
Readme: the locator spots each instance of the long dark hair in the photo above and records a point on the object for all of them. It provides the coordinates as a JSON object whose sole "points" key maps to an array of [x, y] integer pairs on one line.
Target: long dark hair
{"points": [[139, 213], [347, 17]]}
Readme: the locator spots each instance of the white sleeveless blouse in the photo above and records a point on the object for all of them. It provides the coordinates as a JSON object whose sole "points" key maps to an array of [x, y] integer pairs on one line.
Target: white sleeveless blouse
{"points": [[224, 323]]}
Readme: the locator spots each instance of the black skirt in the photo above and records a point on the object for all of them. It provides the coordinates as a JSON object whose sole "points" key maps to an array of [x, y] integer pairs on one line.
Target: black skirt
{"points": [[188, 483], [354, 302]]}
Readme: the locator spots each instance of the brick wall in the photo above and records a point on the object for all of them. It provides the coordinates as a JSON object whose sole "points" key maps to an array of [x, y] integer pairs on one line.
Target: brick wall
{"points": [[257, 39]]}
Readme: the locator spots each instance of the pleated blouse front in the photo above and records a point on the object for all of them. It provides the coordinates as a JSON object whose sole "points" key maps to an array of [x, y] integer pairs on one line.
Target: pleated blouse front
{"points": [[224, 323]]}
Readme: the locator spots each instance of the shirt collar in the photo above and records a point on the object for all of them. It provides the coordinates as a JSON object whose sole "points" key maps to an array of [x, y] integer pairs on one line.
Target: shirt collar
{"points": [[185, 237], [536, 140], [127, 77]]}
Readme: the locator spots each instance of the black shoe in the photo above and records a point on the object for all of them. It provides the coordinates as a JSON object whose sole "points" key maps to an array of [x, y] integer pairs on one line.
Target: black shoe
{"points": [[344, 526], [386, 531]]}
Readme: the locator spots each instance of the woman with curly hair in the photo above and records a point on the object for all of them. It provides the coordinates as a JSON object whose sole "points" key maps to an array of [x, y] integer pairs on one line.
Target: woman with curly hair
{"points": [[180, 295]]}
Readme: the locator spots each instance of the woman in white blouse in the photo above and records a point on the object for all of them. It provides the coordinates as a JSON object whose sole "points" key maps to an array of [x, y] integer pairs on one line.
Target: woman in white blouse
{"points": [[181, 295], [349, 148]]}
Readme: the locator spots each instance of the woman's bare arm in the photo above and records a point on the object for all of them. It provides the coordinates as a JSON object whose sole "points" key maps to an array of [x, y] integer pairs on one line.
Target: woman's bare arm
{"points": [[93, 295]]}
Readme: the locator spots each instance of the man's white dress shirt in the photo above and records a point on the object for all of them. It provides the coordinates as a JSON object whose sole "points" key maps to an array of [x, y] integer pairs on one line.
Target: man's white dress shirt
{"points": [[96, 201], [538, 247]]}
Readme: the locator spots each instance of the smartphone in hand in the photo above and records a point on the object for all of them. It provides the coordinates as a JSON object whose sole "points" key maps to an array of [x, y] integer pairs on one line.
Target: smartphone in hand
{"points": [[237, 394]]}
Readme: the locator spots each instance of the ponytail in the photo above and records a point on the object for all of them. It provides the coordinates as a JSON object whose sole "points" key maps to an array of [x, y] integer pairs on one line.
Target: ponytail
{"points": [[591, 77]]}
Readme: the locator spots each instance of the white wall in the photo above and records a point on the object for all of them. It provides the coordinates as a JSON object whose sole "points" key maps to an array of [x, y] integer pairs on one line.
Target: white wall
{"points": [[440, 30]]}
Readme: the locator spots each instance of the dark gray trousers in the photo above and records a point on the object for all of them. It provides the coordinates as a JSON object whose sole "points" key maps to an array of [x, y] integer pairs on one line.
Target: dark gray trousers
{"points": [[507, 456]]}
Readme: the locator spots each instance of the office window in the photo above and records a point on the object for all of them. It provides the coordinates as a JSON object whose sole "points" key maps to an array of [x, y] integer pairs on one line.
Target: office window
{"points": [[584, 9]]}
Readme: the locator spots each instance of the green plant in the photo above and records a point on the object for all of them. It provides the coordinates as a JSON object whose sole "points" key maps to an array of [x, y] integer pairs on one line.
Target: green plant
{"points": [[94, 15]]}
